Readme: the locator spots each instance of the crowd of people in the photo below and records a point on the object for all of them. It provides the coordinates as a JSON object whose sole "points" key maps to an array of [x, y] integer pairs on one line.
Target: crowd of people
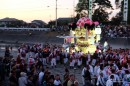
{"points": [[116, 31], [60, 28], [31, 67]]}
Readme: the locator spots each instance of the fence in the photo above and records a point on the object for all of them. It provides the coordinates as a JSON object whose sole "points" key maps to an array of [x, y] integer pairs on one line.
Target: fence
{"points": [[118, 42], [27, 29]]}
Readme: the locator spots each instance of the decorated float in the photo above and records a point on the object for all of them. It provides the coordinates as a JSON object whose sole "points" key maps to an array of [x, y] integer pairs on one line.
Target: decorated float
{"points": [[87, 35], [84, 37]]}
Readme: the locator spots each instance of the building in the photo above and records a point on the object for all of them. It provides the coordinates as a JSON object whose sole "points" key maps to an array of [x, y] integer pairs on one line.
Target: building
{"points": [[11, 22], [64, 21], [39, 23]]}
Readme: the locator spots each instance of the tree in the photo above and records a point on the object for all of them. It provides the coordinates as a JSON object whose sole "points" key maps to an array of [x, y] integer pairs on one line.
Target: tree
{"points": [[128, 11], [103, 15], [51, 23], [81, 8], [117, 19], [120, 6], [104, 3], [82, 5], [119, 16], [99, 6]]}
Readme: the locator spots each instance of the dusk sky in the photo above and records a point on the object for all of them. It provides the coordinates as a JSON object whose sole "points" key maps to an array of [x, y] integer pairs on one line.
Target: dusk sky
{"points": [[29, 10]]}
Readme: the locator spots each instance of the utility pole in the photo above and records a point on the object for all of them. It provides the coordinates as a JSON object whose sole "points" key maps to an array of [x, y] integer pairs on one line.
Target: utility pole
{"points": [[56, 15]]}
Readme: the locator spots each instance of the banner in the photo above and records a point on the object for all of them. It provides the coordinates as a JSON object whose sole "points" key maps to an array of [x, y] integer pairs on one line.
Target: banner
{"points": [[125, 11], [90, 9]]}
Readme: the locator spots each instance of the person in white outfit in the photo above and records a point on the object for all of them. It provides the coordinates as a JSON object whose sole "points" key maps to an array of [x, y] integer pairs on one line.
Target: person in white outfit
{"points": [[44, 61], [88, 58], [22, 81], [101, 81], [83, 75], [72, 61], [91, 69], [40, 77], [126, 78], [65, 54], [53, 61], [101, 69], [96, 69], [110, 81], [65, 60], [79, 62], [57, 81], [116, 77]]}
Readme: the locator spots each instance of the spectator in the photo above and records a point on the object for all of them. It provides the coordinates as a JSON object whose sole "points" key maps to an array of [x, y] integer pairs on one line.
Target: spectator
{"points": [[13, 79], [7, 52], [110, 81], [57, 81], [101, 81], [71, 80], [30, 81], [50, 82], [41, 75], [22, 81]]}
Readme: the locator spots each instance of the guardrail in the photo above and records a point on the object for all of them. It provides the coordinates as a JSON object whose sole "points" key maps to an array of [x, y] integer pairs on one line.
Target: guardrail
{"points": [[27, 29]]}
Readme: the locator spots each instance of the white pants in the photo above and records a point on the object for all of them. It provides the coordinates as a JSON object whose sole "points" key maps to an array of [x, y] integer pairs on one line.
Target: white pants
{"points": [[65, 60], [72, 63], [93, 62], [83, 80], [87, 62], [44, 61], [58, 58], [53, 62], [79, 62]]}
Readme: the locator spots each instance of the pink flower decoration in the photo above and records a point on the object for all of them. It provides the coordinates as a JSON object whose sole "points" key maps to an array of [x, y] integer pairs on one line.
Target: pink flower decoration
{"points": [[89, 22], [96, 23], [82, 21]]}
